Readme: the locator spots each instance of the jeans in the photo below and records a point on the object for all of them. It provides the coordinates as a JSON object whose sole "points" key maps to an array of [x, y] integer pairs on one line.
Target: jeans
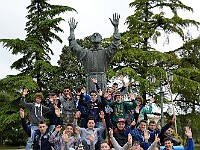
{"points": [[51, 128], [30, 139]]}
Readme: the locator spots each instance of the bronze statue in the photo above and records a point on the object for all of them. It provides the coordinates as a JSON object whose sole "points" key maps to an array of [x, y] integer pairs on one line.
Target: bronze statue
{"points": [[95, 60]]}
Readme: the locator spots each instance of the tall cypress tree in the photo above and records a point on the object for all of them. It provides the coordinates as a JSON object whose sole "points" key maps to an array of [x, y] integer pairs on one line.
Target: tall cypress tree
{"points": [[42, 28]]}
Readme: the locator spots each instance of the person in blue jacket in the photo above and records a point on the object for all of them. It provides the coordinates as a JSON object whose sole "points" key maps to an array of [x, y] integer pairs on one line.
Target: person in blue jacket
{"points": [[190, 143], [41, 136]]}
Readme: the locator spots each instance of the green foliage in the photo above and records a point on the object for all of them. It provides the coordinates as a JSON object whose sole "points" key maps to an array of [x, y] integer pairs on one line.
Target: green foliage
{"points": [[42, 28], [9, 117], [191, 120], [137, 58], [71, 70], [37, 73]]}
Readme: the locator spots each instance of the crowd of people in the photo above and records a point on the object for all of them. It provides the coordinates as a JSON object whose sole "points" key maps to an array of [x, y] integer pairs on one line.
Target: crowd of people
{"points": [[95, 121]]}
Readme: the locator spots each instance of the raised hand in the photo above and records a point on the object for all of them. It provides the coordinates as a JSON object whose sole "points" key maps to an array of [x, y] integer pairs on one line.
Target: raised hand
{"points": [[157, 139], [115, 20], [58, 128], [111, 132], [130, 139], [65, 136], [139, 118], [174, 118], [77, 115], [188, 132], [100, 93], [92, 137], [133, 123], [25, 92], [83, 90], [57, 110], [21, 113], [146, 135], [159, 126], [72, 24], [101, 115]]}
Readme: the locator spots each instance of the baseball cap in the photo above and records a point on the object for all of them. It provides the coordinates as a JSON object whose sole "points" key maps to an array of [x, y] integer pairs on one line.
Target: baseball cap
{"points": [[121, 120]]}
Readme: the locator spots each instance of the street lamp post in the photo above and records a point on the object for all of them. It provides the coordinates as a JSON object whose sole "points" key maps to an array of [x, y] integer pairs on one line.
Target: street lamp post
{"points": [[161, 92], [161, 99]]}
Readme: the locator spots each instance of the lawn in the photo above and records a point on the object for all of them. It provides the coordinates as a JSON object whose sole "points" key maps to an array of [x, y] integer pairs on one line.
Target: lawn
{"points": [[11, 147]]}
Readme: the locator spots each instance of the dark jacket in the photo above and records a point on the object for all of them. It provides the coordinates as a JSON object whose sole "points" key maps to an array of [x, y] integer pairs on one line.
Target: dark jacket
{"points": [[120, 137], [137, 135], [163, 135], [53, 119], [40, 142], [93, 108]]}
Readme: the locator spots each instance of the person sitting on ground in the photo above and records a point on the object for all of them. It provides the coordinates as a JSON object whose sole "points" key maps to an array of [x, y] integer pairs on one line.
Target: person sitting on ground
{"points": [[89, 135], [190, 143]]}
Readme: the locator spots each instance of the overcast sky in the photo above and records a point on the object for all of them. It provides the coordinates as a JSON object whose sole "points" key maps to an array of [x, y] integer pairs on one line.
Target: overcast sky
{"points": [[93, 16]]}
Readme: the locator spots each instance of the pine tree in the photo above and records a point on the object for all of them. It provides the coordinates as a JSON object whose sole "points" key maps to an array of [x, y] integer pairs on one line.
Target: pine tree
{"points": [[42, 28], [137, 58]]}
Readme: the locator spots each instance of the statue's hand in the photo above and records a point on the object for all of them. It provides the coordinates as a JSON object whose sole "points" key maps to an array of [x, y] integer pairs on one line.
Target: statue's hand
{"points": [[72, 23], [115, 20]]}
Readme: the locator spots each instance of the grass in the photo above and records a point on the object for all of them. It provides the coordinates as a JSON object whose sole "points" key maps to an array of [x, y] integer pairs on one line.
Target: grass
{"points": [[11, 147]]}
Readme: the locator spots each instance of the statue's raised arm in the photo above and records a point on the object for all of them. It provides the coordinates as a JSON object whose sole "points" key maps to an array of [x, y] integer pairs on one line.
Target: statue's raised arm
{"points": [[115, 22], [114, 47], [72, 25], [74, 46]]}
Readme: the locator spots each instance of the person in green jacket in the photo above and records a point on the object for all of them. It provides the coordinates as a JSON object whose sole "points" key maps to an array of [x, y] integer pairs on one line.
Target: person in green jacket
{"points": [[120, 107]]}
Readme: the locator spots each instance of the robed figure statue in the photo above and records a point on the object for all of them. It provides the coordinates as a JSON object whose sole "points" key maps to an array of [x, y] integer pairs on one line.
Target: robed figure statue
{"points": [[96, 59]]}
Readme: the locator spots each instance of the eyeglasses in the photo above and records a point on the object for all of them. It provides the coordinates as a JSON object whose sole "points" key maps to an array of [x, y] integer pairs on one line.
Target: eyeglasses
{"points": [[66, 90]]}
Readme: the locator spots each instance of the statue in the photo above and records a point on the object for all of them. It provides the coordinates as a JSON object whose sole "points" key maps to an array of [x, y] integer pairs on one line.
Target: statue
{"points": [[95, 60]]}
